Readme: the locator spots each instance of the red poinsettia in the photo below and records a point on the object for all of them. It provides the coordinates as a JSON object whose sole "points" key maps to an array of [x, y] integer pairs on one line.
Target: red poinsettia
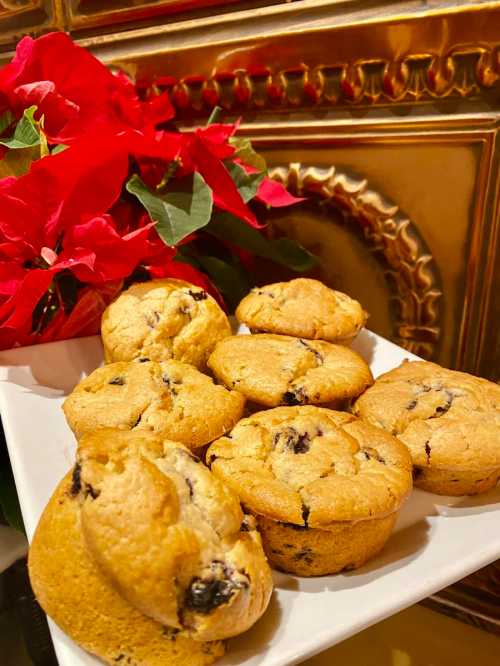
{"points": [[75, 93], [124, 199]]}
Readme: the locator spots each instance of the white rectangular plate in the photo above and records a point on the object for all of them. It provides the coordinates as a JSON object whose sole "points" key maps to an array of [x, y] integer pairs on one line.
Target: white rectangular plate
{"points": [[437, 541]]}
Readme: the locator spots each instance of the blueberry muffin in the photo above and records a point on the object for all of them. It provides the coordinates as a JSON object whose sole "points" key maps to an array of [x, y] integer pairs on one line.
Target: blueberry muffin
{"points": [[162, 320], [276, 370], [303, 308], [324, 486], [449, 420], [149, 503], [75, 592], [171, 399]]}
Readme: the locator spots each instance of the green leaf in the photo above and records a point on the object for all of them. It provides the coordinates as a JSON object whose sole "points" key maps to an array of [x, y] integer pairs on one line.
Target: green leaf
{"points": [[214, 116], [59, 148], [17, 162], [247, 183], [6, 119], [26, 133], [184, 258], [185, 207], [246, 153], [231, 280], [284, 251]]}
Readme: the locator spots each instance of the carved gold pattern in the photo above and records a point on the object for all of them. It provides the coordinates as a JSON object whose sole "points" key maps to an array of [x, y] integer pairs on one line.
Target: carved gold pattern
{"points": [[408, 265], [416, 78], [18, 17]]}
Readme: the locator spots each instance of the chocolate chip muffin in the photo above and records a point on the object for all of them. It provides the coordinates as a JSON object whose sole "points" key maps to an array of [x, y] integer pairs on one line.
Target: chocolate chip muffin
{"points": [[303, 308], [171, 399], [450, 422], [280, 370], [75, 592], [162, 320], [167, 534], [324, 486]]}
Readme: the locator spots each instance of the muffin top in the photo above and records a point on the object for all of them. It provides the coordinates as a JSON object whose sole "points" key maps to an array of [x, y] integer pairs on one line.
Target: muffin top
{"points": [[447, 419], [172, 399], [168, 534], [163, 319], [276, 370], [303, 308], [73, 590], [310, 466]]}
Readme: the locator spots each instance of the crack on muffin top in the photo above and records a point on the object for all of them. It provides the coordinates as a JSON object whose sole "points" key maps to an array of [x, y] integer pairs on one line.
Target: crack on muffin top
{"points": [[429, 407], [117, 381], [340, 467], [163, 319], [275, 369]]}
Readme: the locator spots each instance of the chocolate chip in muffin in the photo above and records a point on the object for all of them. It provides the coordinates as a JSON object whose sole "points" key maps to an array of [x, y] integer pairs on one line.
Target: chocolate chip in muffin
{"points": [[169, 384], [137, 421], [117, 381], [411, 405], [296, 397], [306, 554], [305, 514], [293, 440], [373, 454], [211, 459], [190, 486], [153, 319], [170, 633], [76, 480], [261, 292], [198, 295], [203, 595], [90, 491], [428, 452], [185, 310], [143, 360], [442, 409]]}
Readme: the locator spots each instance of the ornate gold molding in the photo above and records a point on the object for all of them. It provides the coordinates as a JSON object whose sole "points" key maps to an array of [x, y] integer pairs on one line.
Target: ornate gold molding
{"points": [[409, 267], [461, 72]]}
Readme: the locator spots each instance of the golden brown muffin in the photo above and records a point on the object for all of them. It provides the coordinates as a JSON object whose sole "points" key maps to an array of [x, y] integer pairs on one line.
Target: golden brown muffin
{"points": [[303, 308], [161, 320], [324, 486], [80, 599], [167, 534], [450, 422], [171, 399], [279, 370]]}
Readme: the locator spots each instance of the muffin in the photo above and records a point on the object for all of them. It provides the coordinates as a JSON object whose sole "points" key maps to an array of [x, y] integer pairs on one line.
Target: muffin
{"points": [[167, 534], [324, 486], [74, 591], [303, 308], [449, 420], [171, 399], [162, 320], [276, 370]]}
